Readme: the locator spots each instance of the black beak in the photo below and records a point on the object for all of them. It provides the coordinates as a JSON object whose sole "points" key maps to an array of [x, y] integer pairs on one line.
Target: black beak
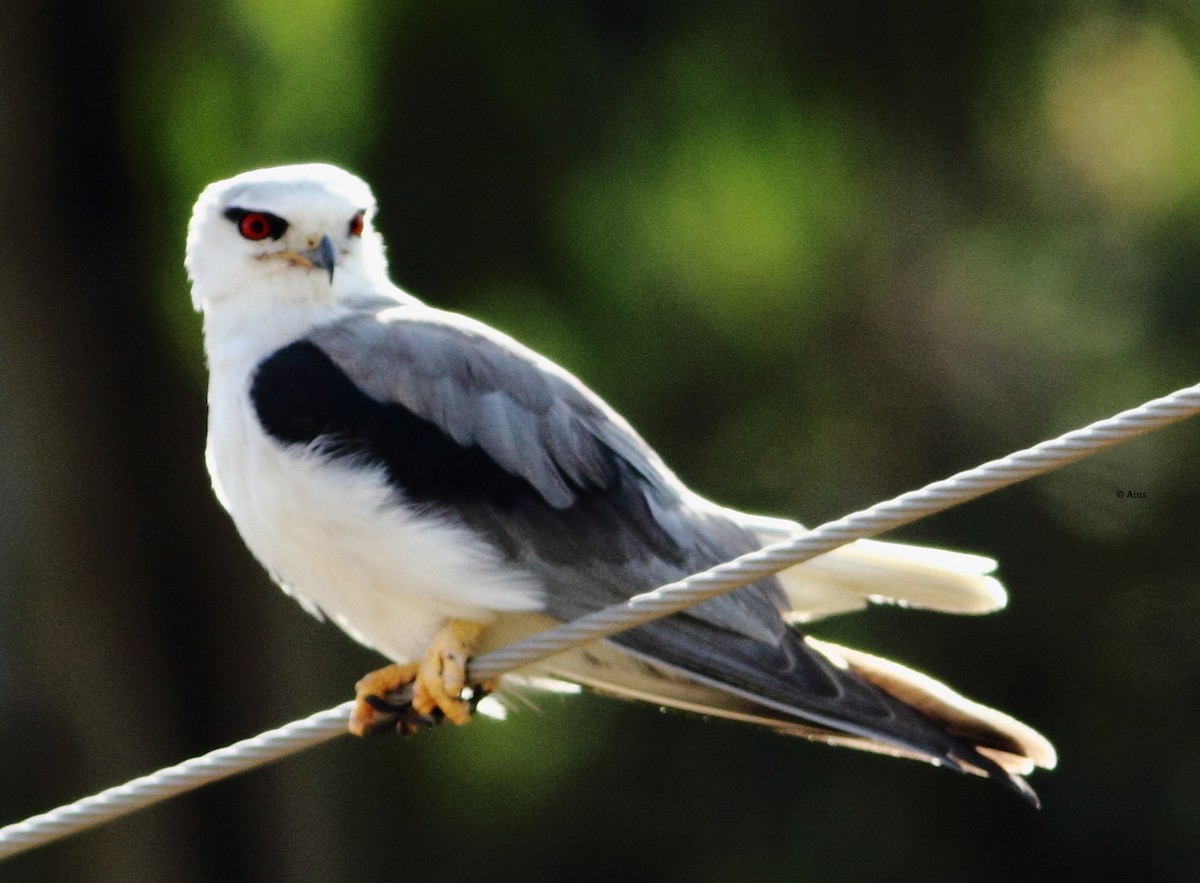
{"points": [[324, 255]]}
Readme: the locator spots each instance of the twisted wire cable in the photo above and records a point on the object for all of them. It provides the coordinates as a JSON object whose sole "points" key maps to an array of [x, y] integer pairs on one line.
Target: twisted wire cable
{"points": [[880, 518], [325, 725], [174, 780]]}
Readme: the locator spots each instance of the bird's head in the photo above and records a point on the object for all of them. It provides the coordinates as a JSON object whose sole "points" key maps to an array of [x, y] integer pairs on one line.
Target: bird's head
{"points": [[297, 233]]}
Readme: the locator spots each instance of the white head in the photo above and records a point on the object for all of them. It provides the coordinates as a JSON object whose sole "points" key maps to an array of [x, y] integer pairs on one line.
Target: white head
{"points": [[291, 234]]}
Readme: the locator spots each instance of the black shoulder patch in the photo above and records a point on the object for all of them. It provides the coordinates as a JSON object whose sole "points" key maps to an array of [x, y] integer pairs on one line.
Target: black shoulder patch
{"points": [[302, 397]]}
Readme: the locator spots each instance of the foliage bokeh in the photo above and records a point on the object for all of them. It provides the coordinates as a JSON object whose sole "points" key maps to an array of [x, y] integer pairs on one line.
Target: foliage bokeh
{"points": [[818, 254]]}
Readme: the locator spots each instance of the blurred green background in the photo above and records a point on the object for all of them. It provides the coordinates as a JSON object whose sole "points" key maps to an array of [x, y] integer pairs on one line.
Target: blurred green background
{"points": [[818, 253]]}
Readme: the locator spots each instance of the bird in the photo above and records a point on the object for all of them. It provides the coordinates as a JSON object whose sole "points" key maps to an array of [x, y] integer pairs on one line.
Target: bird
{"points": [[436, 489]]}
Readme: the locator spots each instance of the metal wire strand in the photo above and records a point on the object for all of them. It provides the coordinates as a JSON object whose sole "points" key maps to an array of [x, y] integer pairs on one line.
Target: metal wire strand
{"points": [[880, 518], [325, 725], [174, 780]]}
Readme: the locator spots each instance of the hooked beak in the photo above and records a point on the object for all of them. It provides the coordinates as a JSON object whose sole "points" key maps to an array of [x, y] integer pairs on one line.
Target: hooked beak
{"points": [[323, 255]]}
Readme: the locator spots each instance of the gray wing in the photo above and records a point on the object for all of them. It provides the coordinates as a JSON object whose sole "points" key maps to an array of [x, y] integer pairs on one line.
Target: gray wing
{"points": [[595, 514], [468, 421]]}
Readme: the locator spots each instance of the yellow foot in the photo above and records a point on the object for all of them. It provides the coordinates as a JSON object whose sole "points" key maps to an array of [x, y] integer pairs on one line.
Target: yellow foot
{"points": [[373, 710], [443, 672], [436, 686]]}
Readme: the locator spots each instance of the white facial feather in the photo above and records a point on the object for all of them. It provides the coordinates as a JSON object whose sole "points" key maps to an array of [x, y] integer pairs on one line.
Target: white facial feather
{"points": [[316, 200]]}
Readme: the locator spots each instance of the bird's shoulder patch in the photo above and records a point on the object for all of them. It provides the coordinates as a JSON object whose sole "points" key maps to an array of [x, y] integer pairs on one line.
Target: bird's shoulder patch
{"points": [[302, 397]]}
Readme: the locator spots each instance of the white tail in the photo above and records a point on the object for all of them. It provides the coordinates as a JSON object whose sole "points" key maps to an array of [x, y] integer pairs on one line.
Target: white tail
{"points": [[869, 571]]}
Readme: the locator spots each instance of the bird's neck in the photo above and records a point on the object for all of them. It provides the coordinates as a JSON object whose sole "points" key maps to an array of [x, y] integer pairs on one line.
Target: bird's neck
{"points": [[240, 332]]}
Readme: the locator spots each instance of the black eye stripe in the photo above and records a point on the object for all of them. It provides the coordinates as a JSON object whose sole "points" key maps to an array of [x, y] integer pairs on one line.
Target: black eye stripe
{"points": [[275, 224]]}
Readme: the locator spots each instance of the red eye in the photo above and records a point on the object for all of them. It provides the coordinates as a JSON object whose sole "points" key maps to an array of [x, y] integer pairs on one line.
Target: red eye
{"points": [[356, 225], [257, 225], [254, 225]]}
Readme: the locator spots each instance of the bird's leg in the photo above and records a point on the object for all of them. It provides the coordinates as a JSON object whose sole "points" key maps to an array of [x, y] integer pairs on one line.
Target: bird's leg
{"points": [[413, 694]]}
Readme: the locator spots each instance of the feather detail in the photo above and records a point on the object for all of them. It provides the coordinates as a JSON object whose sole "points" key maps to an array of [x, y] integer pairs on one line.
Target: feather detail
{"points": [[873, 572]]}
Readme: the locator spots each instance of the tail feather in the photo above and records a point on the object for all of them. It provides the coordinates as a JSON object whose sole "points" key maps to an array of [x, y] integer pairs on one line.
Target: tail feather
{"points": [[812, 688], [868, 571], [1015, 746], [977, 739]]}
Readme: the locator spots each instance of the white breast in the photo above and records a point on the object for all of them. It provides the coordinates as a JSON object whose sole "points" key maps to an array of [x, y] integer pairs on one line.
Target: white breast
{"points": [[338, 537]]}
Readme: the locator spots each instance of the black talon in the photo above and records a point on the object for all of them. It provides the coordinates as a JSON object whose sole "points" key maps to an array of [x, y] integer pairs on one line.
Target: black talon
{"points": [[384, 705], [397, 705]]}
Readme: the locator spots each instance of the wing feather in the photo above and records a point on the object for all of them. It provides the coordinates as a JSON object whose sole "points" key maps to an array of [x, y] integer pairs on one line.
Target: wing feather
{"points": [[601, 494], [566, 489]]}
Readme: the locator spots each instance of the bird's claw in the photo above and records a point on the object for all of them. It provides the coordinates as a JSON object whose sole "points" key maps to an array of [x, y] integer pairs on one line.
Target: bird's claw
{"points": [[419, 695]]}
